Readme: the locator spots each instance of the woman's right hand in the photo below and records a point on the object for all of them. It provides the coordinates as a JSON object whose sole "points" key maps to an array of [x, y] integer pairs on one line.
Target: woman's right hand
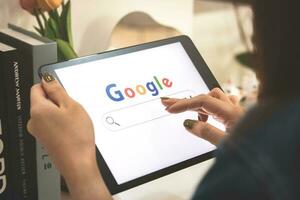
{"points": [[223, 108]]}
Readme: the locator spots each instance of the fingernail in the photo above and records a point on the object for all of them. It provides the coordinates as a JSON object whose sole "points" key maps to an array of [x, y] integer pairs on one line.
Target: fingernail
{"points": [[48, 77], [167, 108], [189, 123], [164, 98]]}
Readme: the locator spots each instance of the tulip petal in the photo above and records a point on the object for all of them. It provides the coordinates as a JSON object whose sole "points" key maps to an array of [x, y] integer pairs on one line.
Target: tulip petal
{"points": [[29, 5], [53, 4], [43, 5]]}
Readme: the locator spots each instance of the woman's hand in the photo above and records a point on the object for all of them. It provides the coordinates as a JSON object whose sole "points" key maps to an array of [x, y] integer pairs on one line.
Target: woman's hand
{"points": [[64, 128], [223, 108]]}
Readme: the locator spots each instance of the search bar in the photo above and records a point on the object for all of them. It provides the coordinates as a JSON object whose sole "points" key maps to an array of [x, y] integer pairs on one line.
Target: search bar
{"points": [[138, 114]]}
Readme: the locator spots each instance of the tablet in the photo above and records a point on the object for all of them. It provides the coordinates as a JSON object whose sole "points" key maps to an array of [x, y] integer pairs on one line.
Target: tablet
{"points": [[137, 140]]}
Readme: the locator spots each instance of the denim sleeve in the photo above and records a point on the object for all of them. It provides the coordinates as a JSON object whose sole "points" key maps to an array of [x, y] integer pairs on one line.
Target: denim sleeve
{"points": [[229, 179], [260, 159]]}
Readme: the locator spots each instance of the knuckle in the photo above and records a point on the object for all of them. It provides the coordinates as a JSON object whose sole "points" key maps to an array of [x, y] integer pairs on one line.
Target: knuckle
{"points": [[38, 112], [203, 97], [234, 109], [35, 111], [233, 97], [218, 90], [205, 128], [34, 87], [54, 89], [30, 127], [215, 90], [74, 106]]}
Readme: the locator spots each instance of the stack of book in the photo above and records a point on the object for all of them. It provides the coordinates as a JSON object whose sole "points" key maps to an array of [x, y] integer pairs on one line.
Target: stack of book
{"points": [[26, 171]]}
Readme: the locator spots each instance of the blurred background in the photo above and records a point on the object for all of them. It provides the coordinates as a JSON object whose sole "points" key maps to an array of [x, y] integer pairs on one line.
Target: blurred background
{"points": [[221, 30]]}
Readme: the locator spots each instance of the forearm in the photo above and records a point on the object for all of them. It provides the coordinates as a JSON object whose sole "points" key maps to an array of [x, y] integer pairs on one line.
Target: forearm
{"points": [[66, 131], [86, 183]]}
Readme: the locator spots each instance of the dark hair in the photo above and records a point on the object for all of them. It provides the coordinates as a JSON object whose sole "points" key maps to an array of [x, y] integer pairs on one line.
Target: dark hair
{"points": [[277, 41]]}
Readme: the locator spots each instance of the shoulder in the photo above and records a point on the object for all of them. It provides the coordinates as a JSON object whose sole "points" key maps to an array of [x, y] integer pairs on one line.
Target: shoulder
{"points": [[267, 141], [271, 126], [259, 160], [272, 114]]}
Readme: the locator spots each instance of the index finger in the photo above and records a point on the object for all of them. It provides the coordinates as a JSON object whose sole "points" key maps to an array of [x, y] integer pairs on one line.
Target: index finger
{"points": [[169, 101], [206, 102]]}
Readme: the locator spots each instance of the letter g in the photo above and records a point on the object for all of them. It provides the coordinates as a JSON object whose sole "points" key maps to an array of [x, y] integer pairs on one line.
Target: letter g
{"points": [[2, 177], [4, 183], [117, 95]]}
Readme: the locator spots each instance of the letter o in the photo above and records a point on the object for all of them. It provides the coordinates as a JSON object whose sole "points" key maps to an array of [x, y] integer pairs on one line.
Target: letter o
{"points": [[141, 89], [129, 92]]}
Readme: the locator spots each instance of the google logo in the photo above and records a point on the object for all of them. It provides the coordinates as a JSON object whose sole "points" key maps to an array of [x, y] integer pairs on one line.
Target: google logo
{"points": [[153, 87]]}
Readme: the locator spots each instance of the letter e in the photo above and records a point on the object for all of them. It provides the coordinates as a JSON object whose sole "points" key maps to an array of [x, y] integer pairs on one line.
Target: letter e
{"points": [[167, 82]]}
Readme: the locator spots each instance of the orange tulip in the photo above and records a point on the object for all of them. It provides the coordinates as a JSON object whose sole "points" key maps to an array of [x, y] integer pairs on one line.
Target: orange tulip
{"points": [[48, 5]]}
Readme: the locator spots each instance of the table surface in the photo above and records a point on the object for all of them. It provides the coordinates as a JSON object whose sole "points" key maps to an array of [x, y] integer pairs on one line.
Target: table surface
{"points": [[177, 186]]}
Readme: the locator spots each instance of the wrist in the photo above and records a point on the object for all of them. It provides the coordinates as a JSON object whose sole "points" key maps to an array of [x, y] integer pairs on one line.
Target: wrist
{"points": [[74, 165], [77, 167], [85, 181]]}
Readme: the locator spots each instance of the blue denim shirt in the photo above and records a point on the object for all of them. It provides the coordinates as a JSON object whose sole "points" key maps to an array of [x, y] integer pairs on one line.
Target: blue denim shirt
{"points": [[261, 158]]}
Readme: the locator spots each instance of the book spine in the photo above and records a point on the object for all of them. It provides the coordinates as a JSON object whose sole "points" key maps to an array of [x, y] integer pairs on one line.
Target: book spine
{"points": [[27, 142], [12, 103], [35, 175], [21, 144], [4, 156]]}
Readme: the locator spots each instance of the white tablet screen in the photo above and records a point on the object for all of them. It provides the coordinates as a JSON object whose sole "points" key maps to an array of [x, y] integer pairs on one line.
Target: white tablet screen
{"points": [[134, 133]]}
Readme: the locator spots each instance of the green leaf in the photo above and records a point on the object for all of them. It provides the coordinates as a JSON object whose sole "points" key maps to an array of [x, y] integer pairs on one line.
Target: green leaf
{"points": [[55, 27], [55, 16], [66, 25], [40, 23], [49, 33], [65, 50]]}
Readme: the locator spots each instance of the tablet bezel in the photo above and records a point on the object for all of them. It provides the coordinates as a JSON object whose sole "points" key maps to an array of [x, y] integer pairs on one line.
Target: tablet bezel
{"points": [[205, 74]]}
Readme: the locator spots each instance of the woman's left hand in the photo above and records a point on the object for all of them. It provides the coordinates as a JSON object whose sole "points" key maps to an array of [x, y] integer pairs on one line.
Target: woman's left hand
{"points": [[225, 109], [66, 131]]}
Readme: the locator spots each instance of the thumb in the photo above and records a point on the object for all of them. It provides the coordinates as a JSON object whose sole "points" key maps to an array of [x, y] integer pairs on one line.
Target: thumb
{"points": [[204, 130], [54, 91]]}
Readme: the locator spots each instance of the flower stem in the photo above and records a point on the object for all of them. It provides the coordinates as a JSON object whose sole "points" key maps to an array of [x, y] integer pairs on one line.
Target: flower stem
{"points": [[39, 22], [43, 16]]}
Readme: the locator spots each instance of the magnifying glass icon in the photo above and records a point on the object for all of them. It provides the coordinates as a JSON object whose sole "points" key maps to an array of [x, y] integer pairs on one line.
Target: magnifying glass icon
{"points": [[111, 121]]}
